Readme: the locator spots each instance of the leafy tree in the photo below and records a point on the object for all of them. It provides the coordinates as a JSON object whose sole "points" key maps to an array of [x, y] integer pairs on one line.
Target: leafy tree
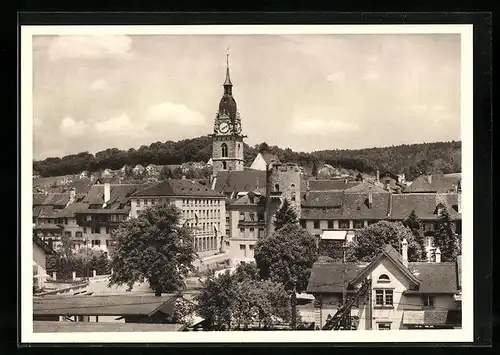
{"points": [[153, 246], [246, 271], [314, 169], [183, 311], [166, 173], [371, 240], [263, 147], [444, 237], [216, 300], [287, 256], [285, 215], [413, 223]]}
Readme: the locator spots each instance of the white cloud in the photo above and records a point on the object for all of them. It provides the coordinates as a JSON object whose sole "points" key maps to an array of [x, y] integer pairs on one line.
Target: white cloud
{"points": [[99, 84], [337, 76], [371, 75], [90, 47], [168, 112], [71, 128], [322, 127], [119, 125]]}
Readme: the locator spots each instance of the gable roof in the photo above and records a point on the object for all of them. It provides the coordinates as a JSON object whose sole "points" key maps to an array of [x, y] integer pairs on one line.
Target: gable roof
{"points": [[51, 199], [178, 187], [239, 181], [390, 253], [434, 183], [432, 278], [247, 201]]}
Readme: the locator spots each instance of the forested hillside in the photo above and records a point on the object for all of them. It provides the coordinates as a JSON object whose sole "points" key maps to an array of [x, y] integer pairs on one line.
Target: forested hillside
{"points": [[411, 159]]}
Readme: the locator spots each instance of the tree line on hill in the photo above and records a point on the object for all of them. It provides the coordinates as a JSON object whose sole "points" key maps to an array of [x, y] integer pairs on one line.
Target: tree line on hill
{"points": [[411, 159]]}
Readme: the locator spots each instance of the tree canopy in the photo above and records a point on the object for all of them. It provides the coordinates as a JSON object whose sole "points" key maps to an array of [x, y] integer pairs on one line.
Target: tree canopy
{"points": [[285, 215], [153, 246], [411, 159], [239, 301], [286, 256], [445, 238], [371, 240], [413, 223]]}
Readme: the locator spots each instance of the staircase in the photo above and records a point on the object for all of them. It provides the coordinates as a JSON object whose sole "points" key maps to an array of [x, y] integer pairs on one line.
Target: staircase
{"points": [[342, 320]]}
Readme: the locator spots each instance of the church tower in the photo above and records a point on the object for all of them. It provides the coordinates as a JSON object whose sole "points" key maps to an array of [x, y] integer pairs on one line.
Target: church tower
{"points": [[227, 139]]}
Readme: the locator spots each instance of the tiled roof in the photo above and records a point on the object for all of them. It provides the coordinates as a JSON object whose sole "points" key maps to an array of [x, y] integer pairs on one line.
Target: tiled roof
{"points": [[54, 199], [119, 194], [364, 188], [269, 157], [432, 317], [246, 201], [178, 187], [349, 206], [240, 181], [330, 277], [84, 327], [47, 226], [73, 208], [326, 185], [48, 212], [424, 205], [430, 277], [436, 277], [438, 183], [99, 305], [323, 198]]}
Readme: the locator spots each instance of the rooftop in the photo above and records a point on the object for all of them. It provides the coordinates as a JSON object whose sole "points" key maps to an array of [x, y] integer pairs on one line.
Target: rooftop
{"points": [[71, 327], [178, 187]]}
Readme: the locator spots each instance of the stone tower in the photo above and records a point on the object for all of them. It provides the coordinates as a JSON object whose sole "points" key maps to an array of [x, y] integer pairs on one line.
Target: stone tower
{"points": [[282, 181], [227, 139]]}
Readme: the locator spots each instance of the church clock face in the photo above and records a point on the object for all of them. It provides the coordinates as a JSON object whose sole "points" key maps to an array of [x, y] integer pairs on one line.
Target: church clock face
{"points": [[224, 127]]}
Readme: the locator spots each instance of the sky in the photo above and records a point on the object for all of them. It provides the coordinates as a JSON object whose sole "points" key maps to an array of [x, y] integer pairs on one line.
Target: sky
{"points": [[305, 92]]}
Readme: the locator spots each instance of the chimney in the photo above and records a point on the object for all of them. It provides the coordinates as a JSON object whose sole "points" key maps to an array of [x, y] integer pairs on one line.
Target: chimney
{"points": [[429, 179], [107, 192], [378, 175], [370, 200], [405, 252], [438, 255]]}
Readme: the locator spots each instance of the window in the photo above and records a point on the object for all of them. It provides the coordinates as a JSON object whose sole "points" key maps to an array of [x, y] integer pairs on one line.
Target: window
{"points": [[252, 232], [96, 243], [303, 223], [384, 298], [330, 224], [224, 150], [316, 224], [224, 165], [242, 216], [292, 185], [67, 234], [244, 248], [252, 217], [251, 247], [108, 242], [358, 224], [384, 326], [430, 242], [139, 203], [428, 227], [383, 279], [293, 198], [96, 230], [276, 187], [428, 301], [85, 230], [344, 224], [88, 217], [78, 234], [242, 232], [65, 221]]}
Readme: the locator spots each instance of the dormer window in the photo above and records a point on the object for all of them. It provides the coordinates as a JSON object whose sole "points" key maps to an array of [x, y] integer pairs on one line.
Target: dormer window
{"points": [[276, 187], [383, 279]]}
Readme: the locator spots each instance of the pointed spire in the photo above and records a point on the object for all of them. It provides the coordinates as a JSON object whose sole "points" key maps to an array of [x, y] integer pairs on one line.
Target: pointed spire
{"points": [[227, 82]]}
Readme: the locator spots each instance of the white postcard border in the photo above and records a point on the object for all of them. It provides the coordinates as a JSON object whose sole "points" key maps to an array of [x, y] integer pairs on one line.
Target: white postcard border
{"points": [[458, 335]]}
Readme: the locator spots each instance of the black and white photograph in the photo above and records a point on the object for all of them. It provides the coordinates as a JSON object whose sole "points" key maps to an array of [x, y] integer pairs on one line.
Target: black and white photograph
{"points": [[247, 183]]}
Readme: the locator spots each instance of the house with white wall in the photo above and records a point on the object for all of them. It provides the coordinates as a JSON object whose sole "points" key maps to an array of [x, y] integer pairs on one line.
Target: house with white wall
{"points": [[40, 253], [400, 295], [262, 161]]}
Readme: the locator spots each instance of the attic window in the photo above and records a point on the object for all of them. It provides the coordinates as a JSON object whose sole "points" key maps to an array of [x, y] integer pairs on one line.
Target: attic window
{"points": [[383, 279]]}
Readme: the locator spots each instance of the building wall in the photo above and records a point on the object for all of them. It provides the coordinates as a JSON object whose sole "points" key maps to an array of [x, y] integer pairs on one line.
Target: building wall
{"points": [[259, 163], [243, 239], [286, 177], [40, 260], [234, 160], [211, 212]]}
